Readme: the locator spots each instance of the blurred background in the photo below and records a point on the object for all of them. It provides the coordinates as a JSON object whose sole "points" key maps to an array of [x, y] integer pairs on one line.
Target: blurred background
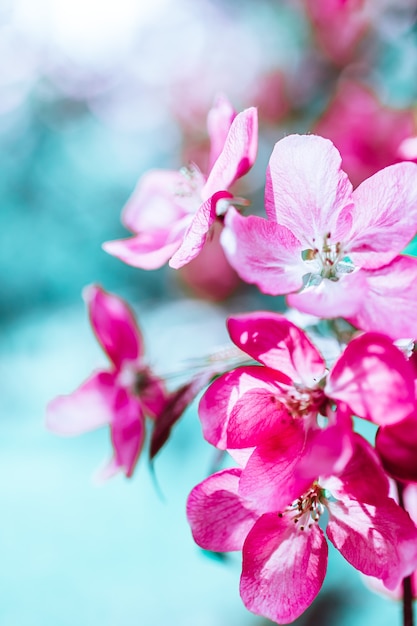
{"points": [[92, 94]]}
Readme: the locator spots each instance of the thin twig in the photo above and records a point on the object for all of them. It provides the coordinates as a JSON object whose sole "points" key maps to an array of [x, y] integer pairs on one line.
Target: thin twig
{"points": [[408, 618]]}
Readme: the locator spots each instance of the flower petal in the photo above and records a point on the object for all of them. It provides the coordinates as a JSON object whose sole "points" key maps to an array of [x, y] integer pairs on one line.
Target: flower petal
{"points": [[147, 251], [218, 518], [196, 233], [270, 479], [279, 344], [374, 379], [127, 432], [385, 215], [87, 408], [219, 120], [397, 448], [390, 303], [307, 191], [152, 393], [379, 540], [238, 154], [158, 201], [225, 400], [329, 299], [328, 449], [283, 568], [114, 325], [264, 253], [350, 480]]}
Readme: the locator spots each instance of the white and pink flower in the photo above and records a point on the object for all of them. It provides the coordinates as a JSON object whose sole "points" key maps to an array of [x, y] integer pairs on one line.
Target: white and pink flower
{"points": [[172, 212], [334, 250]]}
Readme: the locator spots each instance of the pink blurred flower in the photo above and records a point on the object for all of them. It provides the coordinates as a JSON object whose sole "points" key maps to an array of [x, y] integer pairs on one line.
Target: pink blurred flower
{"points": [[334, 250], [172, 212], [119, 397], [339, 25], [283, 546], [368, 135]]}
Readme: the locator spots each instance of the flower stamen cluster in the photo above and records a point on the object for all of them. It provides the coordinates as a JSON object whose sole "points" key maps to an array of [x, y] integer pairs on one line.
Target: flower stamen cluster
{"points": [[329, 262], [308, 508]]}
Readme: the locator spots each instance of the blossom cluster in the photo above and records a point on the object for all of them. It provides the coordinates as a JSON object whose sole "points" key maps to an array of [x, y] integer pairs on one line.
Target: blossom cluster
{"points": [[285, 415]]}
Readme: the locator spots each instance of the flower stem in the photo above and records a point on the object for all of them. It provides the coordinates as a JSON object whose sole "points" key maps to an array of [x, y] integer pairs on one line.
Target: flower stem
{"points": [[408, 618]]}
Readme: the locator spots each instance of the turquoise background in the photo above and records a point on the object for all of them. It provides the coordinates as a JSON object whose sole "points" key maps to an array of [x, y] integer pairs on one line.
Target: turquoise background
{"points": [[74, 552]]}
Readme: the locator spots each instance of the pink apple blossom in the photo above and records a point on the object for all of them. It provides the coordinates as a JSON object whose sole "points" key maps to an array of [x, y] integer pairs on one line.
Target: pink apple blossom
{"points": [[273, 408], [335, 251], [171, 212], [120, 396], [284, 548]]}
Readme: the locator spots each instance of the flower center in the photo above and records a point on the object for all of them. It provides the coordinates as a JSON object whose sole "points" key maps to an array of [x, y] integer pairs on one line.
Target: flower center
{"points": [[301, 401], [188, 190], [329, 262], [308, 509], [133, 378]]}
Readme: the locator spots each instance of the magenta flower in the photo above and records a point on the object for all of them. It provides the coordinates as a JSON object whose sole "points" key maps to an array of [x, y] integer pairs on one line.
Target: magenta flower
{"points": [[284, 548], [371, 137], [172, 212], [334, 250], [120, 396], [274, 408]]}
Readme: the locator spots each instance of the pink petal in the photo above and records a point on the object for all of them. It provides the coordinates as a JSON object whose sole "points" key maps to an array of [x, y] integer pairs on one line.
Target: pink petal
{"points": [[159, 201], [219, 120], [218, 518], [217, 406], [371, 531], [114, 325], [279, 344], [375, 380], [270, 479], [390, 303], [196, 233], [350, 482], [151, 392], [257, 414], [379, 540], [410, 500], [240, 456], [397, 448], [328, 449], [147, 251], [385, 215], [87, 408], [127, 432], [238, 154], [329, 299], [283, 568], [307, 191], [263, 253]]}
